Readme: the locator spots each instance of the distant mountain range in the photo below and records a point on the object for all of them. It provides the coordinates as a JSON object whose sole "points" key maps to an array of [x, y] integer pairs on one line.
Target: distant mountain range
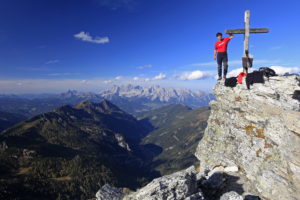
{"points": [[158, 94], [136, 99], [132, 99]]}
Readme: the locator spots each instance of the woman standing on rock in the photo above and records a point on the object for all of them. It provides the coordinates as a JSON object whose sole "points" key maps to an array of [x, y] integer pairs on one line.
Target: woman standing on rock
{"points": [[220, 54]]}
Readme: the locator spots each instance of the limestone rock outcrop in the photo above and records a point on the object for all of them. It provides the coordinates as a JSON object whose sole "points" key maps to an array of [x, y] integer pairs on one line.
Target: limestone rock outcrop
{"points": [[179, 185], [258, 132], [108, 192]]}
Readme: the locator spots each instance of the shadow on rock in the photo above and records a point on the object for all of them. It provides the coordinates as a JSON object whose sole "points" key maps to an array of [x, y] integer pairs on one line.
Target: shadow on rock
{"points": [[252, 197], [218, 184]]}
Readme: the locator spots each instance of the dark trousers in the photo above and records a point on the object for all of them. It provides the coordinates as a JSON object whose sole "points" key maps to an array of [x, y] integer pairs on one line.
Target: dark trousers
{"points": [[222, 57]]}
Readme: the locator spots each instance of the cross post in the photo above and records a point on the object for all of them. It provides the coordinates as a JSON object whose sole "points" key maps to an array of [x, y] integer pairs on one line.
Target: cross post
{"points": [[247, 32], [246, 59]]}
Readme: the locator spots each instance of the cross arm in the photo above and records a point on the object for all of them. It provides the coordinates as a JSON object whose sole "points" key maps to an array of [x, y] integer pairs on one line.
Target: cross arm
{"points": [[242, 31]]}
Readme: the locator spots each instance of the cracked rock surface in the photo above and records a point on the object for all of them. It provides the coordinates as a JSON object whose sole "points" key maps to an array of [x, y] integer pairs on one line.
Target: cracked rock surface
{"points": [[257, 130]]}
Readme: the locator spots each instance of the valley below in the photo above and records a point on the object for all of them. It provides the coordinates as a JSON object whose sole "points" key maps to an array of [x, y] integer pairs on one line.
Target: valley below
{"points": [[71, 151]]}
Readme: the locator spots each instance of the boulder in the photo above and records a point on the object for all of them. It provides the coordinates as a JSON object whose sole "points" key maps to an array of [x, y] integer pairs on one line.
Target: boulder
{"points": [[231, 196], [108, 192]]}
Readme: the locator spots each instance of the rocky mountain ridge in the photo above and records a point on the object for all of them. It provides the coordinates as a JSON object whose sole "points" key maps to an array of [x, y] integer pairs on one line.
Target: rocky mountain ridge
{"points": [[250, 149], [65, 153], [158, 93], [258, 131], [130, 98]]}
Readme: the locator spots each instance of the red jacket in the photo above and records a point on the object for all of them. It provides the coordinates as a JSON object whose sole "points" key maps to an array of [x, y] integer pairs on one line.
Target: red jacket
{"points": [[221, 46]]}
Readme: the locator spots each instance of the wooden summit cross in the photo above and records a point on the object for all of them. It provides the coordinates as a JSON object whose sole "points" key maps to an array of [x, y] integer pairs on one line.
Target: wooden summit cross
{"points": [[247, 60]]}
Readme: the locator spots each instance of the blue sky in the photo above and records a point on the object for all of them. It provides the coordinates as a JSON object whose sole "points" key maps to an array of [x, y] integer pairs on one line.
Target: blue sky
{"points": [[89, 45]]}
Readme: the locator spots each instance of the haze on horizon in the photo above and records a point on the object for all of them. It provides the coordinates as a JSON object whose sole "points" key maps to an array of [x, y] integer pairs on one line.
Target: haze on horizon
{"points": [[52, 46]]}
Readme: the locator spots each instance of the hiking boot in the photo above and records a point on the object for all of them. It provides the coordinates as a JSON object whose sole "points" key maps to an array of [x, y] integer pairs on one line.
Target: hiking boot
{"points": [[224, 77], [219, 78]]}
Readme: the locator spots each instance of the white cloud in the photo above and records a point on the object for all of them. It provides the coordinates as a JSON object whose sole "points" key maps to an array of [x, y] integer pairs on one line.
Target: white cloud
{"points": [[282, 70], [107, 81], [160, 76], [52, 62], [278, 69], [118, 77], [85, 36], [144, 66], [136, 78], [194, 75], [236, 72]]}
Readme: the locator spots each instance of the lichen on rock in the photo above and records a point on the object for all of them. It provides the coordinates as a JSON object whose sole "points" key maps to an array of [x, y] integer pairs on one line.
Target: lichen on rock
{"points": [[257, 130]]}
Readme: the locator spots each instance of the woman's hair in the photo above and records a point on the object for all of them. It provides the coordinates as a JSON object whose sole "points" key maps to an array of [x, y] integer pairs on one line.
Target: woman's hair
{"points": [[218, 34]]}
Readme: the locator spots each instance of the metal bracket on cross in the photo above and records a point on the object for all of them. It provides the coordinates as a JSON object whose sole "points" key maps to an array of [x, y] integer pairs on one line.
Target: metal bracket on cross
{"points": [[247, 60]]}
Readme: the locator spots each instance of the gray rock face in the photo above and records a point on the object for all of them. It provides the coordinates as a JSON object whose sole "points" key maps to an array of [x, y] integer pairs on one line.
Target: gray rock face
{"points": [[183, 185], [121, 142], [231, 196], [257, 130], [108, 192], [178, 186]]}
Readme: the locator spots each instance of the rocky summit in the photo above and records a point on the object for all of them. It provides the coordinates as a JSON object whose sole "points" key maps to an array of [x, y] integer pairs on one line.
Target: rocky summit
{"points": [[258, 132], [250, 149]]}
